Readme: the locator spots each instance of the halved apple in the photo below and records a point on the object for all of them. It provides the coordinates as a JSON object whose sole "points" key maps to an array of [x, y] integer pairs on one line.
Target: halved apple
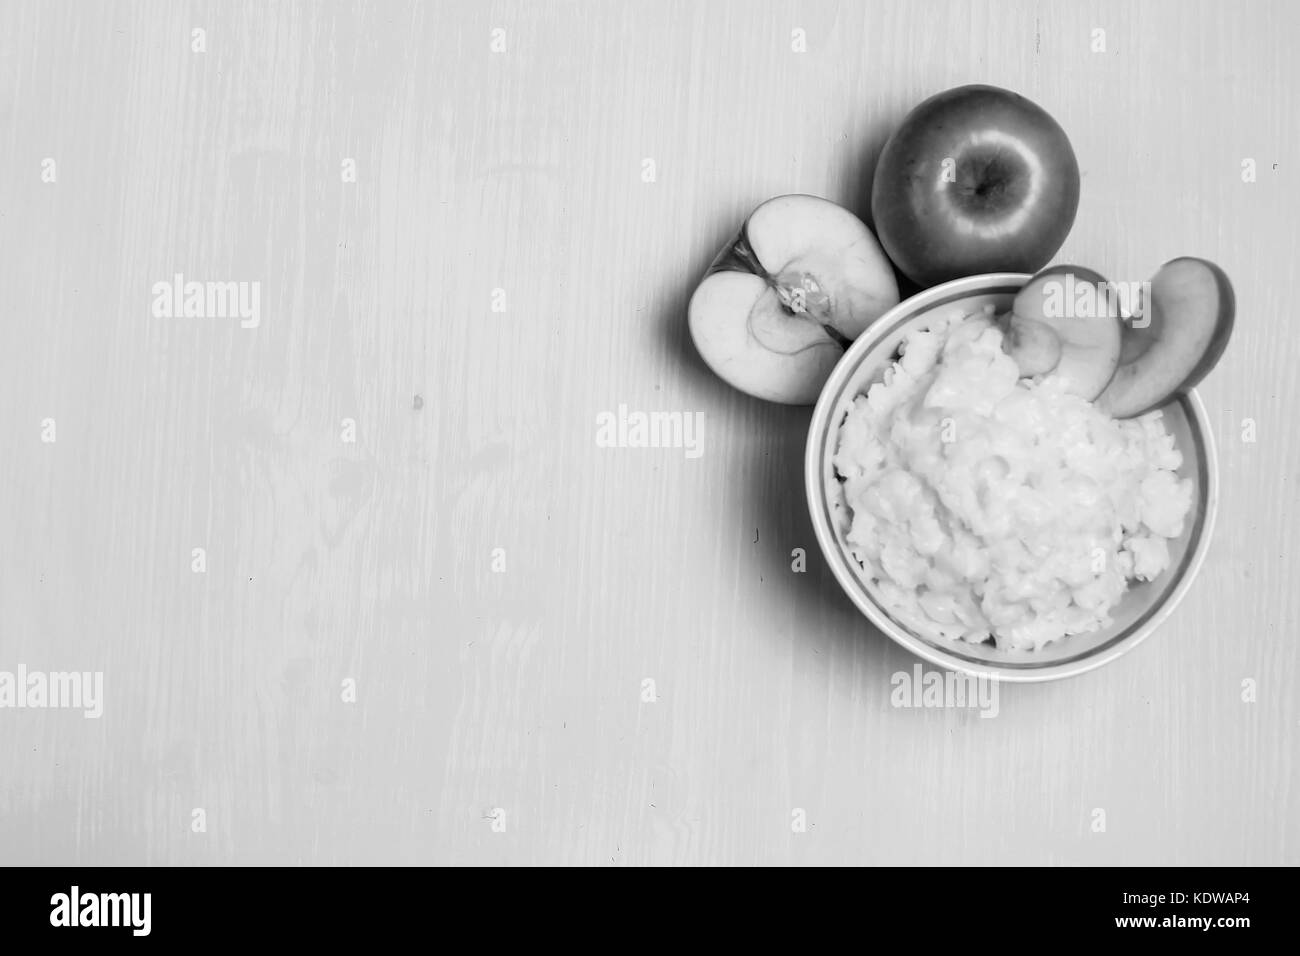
{"points": [[1080, 310], [1185, 327], [778, 306]]}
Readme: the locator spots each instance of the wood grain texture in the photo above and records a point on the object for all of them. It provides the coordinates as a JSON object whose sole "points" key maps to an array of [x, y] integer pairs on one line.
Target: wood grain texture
{"points": [[522, 689]]}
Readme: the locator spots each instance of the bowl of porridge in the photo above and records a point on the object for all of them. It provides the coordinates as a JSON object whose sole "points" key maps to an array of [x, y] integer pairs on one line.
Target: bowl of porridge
{"points": [[995, 524]]}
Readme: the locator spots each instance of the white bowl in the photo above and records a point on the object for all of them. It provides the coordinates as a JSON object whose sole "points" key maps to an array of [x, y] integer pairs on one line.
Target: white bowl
{"points": [[1144, 606]]}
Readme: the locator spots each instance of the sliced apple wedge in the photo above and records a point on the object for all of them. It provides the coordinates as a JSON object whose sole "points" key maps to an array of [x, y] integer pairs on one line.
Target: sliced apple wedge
{"points": [[1081, 310], [782, 301], [1181, 335]]}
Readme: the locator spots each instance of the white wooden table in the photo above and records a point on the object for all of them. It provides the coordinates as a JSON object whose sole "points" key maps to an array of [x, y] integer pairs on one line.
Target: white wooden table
{"points": [[501, 256]]}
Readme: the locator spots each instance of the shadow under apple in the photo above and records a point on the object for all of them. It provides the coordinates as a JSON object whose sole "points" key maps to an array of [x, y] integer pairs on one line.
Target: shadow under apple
{"points": [[772, 491]]}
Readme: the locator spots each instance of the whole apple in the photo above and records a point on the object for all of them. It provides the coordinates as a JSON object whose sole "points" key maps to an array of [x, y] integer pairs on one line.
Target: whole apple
{"points": [[976, 179]]}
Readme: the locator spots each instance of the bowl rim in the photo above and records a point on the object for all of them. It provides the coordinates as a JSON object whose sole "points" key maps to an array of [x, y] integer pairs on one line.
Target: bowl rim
{"points": [[815, 492]]}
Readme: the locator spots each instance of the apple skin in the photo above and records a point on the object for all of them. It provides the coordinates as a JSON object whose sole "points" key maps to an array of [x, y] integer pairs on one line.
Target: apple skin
{"points": [[1004, 203], [1224, 320]]}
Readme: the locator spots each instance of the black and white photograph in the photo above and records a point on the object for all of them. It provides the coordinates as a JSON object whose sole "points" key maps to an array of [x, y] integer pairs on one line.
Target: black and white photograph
{"points": [[650, 433]]}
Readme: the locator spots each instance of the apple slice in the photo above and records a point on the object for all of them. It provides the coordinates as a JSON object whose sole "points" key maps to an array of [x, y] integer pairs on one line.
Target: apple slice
{"points": [[782, 301], [1186, 326], [1081, 309]]}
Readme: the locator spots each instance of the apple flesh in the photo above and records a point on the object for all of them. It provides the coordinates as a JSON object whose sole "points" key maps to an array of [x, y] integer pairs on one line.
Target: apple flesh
{"points": [[779, 305], [976, 179], [1034, 345], [1079, 310], [1184, 330]]}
